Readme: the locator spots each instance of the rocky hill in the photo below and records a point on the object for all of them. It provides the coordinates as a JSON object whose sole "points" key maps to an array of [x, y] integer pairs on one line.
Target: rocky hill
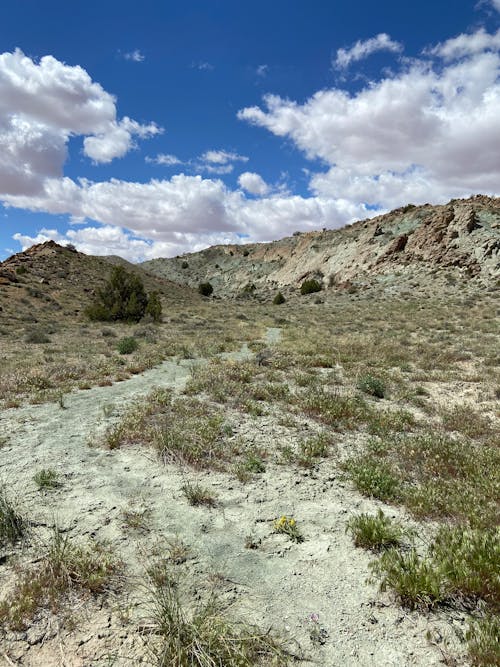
{"points": [[410, 247], [50, 281]]}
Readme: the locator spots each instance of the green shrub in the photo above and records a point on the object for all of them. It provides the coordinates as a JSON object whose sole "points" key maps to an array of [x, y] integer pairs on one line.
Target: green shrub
{"points": [[483, 637], [310, 286], [184, 265], [375, 532], [372, 386], [47, 479], [21, 270], [127, 345], [122, 298], [205, 289], [279, 299], [153, 308], [37, 337], [373, 478], [416, 581]]}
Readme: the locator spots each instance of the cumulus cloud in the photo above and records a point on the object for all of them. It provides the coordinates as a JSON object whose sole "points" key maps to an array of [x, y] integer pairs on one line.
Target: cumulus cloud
{"points": [[136, 56], [364, 48], [253, 183], [164, 159], [496, 4], [426, 133], [172, 216], [41, 106], [467, 44]]}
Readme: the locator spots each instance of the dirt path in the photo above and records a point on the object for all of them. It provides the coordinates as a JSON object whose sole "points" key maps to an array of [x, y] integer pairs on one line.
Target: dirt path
{"points": [[279, 584]]}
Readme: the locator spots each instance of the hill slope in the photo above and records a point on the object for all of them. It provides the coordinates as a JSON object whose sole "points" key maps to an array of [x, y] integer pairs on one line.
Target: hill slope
{"points": [[405, 247]]}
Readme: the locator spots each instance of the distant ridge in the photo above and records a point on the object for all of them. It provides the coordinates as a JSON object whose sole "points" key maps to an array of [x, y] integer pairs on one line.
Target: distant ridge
{"points": [[411, 244]]}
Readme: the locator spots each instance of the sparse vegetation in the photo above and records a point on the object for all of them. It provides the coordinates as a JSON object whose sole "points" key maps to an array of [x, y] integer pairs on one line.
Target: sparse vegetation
{"points": [[199, 495], [127, 345], [372, 386], [310, 286], [287, 525], [205, 635], [205, 289], [375, 532], [66, 566], [47, 479], [279, 299], [12, 524]]}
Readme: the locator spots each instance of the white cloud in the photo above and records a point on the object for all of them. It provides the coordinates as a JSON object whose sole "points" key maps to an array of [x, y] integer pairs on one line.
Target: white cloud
{"points": [[172, 216], [423, 134], [164, 159], [496, 4], [203, 66], [117, 139], [466, 45], [253, 183], [136, 56], [222, 157], [41, 106], [364, 48], [427, 133], [262, 69]]}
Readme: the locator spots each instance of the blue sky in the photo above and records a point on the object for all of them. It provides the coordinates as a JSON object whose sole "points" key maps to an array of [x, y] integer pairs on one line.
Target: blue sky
{"points": [[156, 128]]}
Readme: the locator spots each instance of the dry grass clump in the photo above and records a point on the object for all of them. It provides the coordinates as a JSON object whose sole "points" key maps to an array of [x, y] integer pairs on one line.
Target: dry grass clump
{"points": [[182, 430], [67, 566], [13, 525], [203, 635]]}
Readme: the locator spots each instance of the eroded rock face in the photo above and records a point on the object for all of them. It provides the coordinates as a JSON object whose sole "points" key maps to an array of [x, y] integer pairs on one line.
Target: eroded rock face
{"points": [[463, 235]]}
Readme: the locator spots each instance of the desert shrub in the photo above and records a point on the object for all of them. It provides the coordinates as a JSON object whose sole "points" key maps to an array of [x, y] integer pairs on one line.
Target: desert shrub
{"points": [[153, 308], [184, 265], [127, 345], [122, 298], [205, 289], [47, 479], [415, 580], [36, 336], [21, 270], [373, 478], [375, 532], [198, 495], [310, 286], [371, 385], [279, 299]]}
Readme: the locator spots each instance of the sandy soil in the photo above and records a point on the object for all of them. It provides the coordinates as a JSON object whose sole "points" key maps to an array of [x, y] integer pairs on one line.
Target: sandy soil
{"points": [[279, 583]]}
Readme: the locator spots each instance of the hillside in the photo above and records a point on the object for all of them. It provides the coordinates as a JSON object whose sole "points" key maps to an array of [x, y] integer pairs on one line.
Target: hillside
{"points": [[401, 249]]}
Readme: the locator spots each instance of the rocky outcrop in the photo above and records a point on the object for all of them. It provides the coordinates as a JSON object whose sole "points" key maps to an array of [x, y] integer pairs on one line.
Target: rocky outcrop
{"points": [[462, 236]]}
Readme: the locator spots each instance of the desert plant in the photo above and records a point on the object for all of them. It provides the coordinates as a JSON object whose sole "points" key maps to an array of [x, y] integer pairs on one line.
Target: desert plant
{"points": [[36, 336], [12, 525], [122, 298], [288, 526], [373, 478], [371, 385], [416, 581], [21, 270], [198, 495], [310, 286], [66, 566], [205, 289], [206, 637], [279, 299], [483, 637], [127, 345], [153, 308], [47, 479], [375, 532]]}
